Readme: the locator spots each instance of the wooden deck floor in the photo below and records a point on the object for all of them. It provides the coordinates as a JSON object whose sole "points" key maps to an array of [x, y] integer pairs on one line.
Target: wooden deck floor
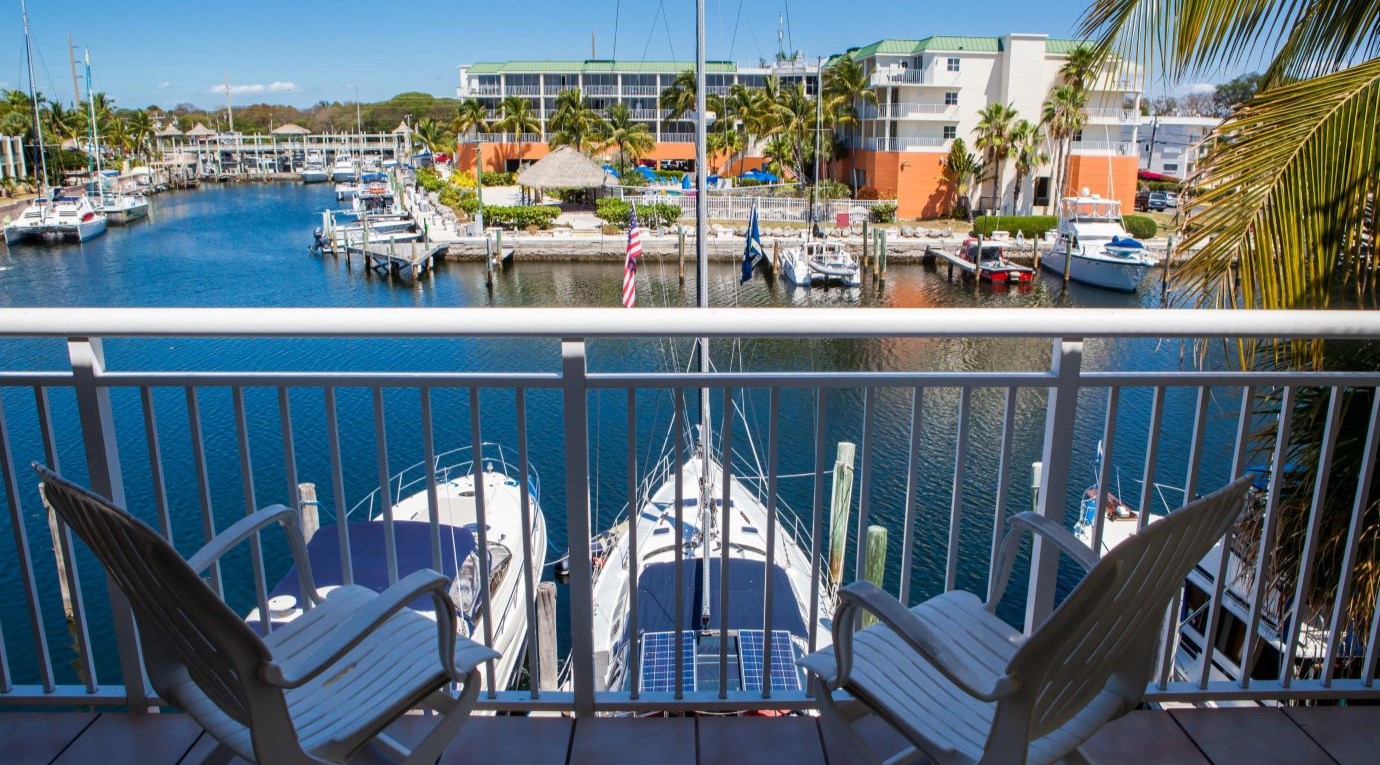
{"points": [[1296, 736]]}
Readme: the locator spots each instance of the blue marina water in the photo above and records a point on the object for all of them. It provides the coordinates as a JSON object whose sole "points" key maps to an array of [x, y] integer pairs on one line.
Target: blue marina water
{"points": [[246, 245]]}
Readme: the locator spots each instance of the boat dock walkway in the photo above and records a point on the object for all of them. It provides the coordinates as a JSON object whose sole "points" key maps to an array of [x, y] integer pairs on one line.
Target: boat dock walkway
{"points": [[403, 258], [935, 253]]}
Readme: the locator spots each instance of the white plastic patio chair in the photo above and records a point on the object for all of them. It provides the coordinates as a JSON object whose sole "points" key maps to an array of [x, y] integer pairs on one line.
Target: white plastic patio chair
{"points": [[962, 686], [316, 690]]}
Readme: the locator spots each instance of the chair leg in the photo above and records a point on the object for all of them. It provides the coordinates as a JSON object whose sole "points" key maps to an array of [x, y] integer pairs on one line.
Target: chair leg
{"points": [[429, 749], [221, 755]]}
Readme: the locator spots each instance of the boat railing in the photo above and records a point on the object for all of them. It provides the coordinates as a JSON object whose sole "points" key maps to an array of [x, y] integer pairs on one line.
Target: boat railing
{"points": [[109, 397], [444, 467]]}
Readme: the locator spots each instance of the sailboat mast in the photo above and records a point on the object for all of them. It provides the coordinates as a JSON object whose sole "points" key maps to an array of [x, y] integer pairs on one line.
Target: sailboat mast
{"points": [[819, 108], [33, 98], [702, 298], [95, 140]]}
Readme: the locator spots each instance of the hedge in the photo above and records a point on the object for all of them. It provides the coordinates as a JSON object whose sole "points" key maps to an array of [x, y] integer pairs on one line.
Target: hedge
{"points": [[1140, 226], [520, 217], [498, 179], [429, 180], [884, 212], [615, 212], [1029, 225], [1173, 186]]}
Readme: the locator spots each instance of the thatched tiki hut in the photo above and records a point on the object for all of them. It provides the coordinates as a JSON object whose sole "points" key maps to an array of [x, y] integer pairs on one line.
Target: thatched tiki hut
{"points": [[564, 168]]}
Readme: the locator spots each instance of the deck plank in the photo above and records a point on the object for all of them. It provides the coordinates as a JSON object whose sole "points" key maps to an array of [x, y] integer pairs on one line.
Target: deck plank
{"points": [[528, 740], [633, 741], [760, 741], [1145, 736], [125, 739], [1351, 735], [35, 738], [1259, 736]]}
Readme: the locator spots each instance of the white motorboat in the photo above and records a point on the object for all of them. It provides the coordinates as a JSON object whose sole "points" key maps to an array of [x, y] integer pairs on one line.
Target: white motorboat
{"points": [[346, 190], [314, 170], [344, 168], [816, 262], [1095, 247], [120, 209], [59, 218], [511, 538], [373, 196]]}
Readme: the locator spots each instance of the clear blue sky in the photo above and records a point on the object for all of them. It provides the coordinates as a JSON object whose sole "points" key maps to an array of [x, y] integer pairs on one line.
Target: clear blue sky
{"points": [[160, 52]]}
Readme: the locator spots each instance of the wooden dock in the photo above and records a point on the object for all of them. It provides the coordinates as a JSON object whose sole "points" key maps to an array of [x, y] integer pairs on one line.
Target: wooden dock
{"points": [[934, 253], [411, 259]]}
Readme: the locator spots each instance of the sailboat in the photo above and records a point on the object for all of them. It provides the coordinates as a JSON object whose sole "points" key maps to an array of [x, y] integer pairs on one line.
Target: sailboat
{"points": [[815, 261], [706, 585], [52, 215], [117, 208]]}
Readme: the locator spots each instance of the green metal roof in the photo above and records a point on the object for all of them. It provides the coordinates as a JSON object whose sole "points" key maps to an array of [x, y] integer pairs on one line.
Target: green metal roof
{"points": [[595, 66], [936, 43], [1062, 47]]}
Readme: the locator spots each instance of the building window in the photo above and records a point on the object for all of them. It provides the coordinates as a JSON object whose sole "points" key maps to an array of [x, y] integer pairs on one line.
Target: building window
{"points": [[950, 132], [953, 64], [1171, 167], [1078, 136], [951, 98], [1041, 191]]}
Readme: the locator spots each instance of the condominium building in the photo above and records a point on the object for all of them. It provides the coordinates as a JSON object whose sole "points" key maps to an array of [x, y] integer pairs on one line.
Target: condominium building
{"points": [[1172, 145]]}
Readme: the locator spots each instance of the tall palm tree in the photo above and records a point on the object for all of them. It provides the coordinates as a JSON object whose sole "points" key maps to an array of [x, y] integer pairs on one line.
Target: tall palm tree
{"points": [[575, 123], [470, 116], [1081, 67], [995, 122], [1028, 147], [1063, 116], [1285, 200], [845, 86], [518, 118], [430, 134], [631, 139], [795, 113], [962, 169], [679, 96], [141, 130]]}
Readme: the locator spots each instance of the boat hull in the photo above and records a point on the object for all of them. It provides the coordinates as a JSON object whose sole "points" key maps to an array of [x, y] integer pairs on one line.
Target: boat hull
{"points": [[120, 216], [1122, 276], [314, 176]]}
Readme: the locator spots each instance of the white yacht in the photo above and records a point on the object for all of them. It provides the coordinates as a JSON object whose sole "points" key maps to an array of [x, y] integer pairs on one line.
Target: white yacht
{"points": [[344, 168], [57, 218], [1102, 253], [345, 190], [314, 171], [815, 262], [120, 209], [503, 591]]}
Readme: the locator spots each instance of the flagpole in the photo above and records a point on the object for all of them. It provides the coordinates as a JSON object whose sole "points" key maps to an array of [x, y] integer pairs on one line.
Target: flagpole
{"points": [[701, 212]]}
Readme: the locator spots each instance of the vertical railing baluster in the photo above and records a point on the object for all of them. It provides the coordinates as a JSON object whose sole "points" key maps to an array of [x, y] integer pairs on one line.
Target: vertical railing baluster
{"points": [[342, 518], [726, 463], [1219, 582], [965, 405], [1267, 532], [433, 520], [865, 479], [1353, 538], [390, 542], [773, 415], [160, 489], [1152, 455], [1195, 457], [574, 390], [481, 520], [103, 469], [529, 526], [289, 448], [24, 562], [634, 652], [1008, 441], [1105, 460], [203, 480], [678, 446], [917, 400], [256, 555], [817, 511], [1065, 365], [1303, 582]]}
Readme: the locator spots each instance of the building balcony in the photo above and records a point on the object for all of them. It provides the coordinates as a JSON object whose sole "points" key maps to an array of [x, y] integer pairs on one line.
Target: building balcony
{"points": [[1108, 114], [1119, 148], [676, 138], [909, 111], [502, 138], [484, 90], [555, 90], [109, 392], [601, 90], [641, 90], [904, 144], [899, 76], [521, 90]]}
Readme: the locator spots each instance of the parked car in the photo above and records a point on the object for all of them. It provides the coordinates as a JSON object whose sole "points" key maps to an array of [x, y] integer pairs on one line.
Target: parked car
{"points": [[1153, 200], [1171, 200]]}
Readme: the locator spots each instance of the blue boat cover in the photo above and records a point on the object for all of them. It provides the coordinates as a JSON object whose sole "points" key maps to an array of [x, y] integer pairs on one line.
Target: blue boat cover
{"points": [[656, 597], [1127, 242], [373, 178]]}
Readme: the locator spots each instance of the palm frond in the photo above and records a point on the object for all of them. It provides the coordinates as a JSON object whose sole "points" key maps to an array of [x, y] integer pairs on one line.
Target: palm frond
{"points": [[1284, 195]]}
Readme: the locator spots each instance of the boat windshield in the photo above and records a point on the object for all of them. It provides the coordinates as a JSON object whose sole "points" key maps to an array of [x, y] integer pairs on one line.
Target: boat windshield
{"points": [[1090, 209]]}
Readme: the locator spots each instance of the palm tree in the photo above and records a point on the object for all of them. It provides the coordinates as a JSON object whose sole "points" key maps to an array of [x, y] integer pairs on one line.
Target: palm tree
{"points": [[1081, 67], [631, 139], [795, 113], [518, 119], [141, 130], [1064, 114], [471, 116], [679, 96], [1027, 146], [1285, 201], [845, 85], [993, 131], [575, 123], [429, 133], [961, 169]]}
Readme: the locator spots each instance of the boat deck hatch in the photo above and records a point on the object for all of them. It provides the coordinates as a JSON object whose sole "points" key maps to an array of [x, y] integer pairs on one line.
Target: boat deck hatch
{"points": [[699, 659]]}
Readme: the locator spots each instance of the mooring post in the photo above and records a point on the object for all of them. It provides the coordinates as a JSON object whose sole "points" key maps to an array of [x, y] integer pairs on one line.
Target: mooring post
{"points": [[308, 510], [840, 504], [866, 231], [876, 561], [680, 252], [1036, 245], [1164, 277], [775, 255], [546, 636], [1036, 468], [498, 247], [1068, 262]]}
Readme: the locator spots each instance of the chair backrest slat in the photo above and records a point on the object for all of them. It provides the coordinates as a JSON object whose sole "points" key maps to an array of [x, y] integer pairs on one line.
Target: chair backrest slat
{"points": [[1117, 608], [186, 629]]}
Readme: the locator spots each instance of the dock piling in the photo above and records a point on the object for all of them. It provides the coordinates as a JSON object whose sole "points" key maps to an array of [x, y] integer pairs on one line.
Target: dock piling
{"points": [[308, 510], [680, 252], [840, 504], [876, 562], [546, 636]]}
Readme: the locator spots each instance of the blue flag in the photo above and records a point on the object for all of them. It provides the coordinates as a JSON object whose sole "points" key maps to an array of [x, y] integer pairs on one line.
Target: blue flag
{"points": [[752, 251]]}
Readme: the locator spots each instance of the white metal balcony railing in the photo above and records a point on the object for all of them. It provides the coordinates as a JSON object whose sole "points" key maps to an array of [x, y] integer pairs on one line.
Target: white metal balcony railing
{"points": [[521, 90], [1113, 113], [732, 205], [906, 111], [486, 90], [903, 144], [106, 407], [501, 138], [676, 138], [601, 90], [647, 114], [641, 90], [1122, 148], [900, 76]]}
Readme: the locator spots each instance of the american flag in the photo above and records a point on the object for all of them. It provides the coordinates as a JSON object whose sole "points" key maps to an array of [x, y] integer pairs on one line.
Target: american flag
{"points": [[630, 267]]}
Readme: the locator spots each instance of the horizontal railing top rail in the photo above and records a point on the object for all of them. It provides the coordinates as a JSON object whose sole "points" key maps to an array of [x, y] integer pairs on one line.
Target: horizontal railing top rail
{"points": [[682, 322]]}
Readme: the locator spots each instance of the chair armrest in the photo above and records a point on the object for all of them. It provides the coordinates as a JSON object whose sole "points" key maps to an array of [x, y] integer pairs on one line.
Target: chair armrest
{"points": [[1046, 528], [252, 524], [294, 673], [978, 682]]}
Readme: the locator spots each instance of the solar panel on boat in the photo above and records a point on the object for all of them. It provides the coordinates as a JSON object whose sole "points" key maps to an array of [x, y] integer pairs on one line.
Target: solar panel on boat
{"points": [[659, 661], [784, 675]]}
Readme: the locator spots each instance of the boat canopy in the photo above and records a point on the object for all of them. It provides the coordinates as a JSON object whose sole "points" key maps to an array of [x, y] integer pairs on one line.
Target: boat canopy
{"points": [[656, 597], [1089, 209], [373, 178]]}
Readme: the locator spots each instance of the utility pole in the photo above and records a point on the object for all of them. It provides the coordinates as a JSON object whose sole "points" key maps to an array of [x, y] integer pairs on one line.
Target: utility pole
{"points": [[229, 110], [1154, 128], [72, 58]]}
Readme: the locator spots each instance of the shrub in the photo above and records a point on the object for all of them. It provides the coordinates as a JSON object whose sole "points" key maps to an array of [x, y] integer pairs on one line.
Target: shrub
{"points": [[463, 179], [429, 180], [827, 189], [884, 212], [1140, 226], [1162, 186], [616, 211], [1029, 225], [869, 192], [498, 179], [521, 217]]}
